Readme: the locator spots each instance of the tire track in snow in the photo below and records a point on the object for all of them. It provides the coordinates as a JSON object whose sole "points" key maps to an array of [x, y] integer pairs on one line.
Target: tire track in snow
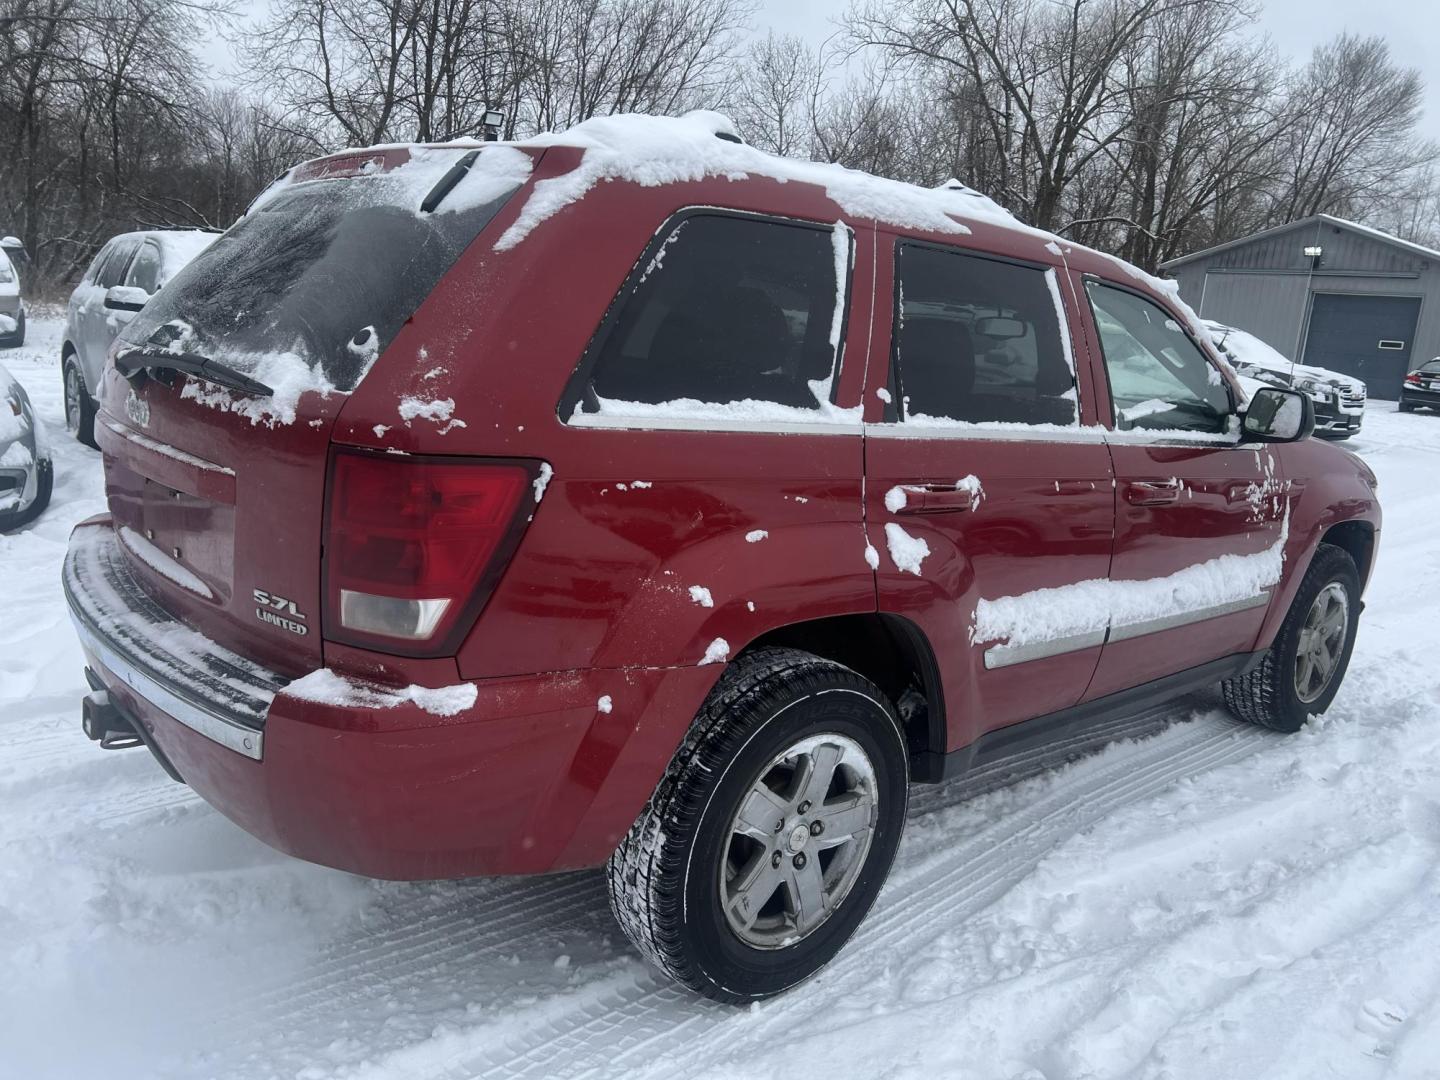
{"points": [[927, 892]]}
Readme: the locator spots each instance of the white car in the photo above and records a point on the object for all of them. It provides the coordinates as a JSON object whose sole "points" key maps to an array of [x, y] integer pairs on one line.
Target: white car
{"points": [[12, 307], [1339, 399], [129, 270], [26, 475]]}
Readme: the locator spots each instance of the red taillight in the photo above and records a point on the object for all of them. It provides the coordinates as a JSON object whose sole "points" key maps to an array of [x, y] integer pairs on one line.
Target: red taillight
{"points": [[1413, 377], [415, 545]]}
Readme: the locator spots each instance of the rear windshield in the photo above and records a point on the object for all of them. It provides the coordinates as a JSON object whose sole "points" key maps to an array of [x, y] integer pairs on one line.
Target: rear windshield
{"points": [[325, 272], [1431, 365]]}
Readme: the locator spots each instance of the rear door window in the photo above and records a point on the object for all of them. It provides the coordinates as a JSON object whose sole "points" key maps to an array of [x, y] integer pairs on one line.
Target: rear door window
{"points": [[1159, 378], [978, 340], [724, 317]]}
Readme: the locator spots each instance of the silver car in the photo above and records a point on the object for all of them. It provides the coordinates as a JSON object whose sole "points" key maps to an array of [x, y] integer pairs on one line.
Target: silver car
{"points": [[129, 270], [26, 474], [12, 306]]}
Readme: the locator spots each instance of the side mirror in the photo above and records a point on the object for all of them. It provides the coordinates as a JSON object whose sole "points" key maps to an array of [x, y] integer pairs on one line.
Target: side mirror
{"points": [[125, 298], [999, 328], [1276, 415]]}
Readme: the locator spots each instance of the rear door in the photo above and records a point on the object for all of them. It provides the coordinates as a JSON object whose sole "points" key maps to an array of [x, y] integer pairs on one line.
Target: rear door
{"points": [[1199, 517], [986, 498]]}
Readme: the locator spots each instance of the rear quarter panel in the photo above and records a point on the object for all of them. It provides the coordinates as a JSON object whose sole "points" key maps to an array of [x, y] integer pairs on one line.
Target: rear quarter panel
{"points": [[602, 577]]}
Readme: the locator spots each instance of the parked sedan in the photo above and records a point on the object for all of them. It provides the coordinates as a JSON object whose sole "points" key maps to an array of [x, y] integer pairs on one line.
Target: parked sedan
{"points": [[1339, 399], [129, 270], [26, 475], [1421, 388]]}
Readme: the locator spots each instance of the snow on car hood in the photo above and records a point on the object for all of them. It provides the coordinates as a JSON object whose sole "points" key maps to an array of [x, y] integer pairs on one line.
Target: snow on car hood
{"points": [[1249, 349]]}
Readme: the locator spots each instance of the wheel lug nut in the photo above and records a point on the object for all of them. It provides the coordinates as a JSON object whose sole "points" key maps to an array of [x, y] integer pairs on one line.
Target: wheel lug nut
{"points": [[775, 860], [816, 828], [800, 861], [804, 808], [780, 826]]}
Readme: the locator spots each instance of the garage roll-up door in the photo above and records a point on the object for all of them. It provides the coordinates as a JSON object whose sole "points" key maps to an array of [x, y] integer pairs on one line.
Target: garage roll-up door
{"points": [[1369, 337]]}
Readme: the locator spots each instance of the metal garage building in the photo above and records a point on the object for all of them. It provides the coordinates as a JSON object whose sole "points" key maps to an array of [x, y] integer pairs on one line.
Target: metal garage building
{"points": [[1328, 291]]}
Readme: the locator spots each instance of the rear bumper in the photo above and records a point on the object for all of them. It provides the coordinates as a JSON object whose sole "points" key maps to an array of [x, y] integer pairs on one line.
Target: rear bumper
{"points": [[1415, 395], [532, 777]]}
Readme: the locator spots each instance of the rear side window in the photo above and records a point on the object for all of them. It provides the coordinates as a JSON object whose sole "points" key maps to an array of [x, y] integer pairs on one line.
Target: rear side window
{"points": [[724, 316], [978, 340], [1159, 378]]}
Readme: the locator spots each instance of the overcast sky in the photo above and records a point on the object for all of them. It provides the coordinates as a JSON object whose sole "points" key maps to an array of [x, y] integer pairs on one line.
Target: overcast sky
{"points": [[1412, 28]]}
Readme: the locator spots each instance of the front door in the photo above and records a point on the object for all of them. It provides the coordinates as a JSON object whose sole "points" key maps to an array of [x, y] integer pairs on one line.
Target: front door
{"points": [[984, 494], [1200, 519]]}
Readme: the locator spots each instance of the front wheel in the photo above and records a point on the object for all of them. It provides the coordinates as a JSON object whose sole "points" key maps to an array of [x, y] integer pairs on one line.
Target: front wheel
{"points": [[772, 831], [1302, 671]]}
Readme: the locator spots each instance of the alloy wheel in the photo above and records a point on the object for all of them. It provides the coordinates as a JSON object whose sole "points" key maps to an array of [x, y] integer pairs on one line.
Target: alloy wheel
{"points": [[798, 841], [1322, 642]]}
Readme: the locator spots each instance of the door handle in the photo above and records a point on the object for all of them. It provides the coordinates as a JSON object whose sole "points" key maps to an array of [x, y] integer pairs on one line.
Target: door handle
{"points": [[937, 499], [1152, 492]]}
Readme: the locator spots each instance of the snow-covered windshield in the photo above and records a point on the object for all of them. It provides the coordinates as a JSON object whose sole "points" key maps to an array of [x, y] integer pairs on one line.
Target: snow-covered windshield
{"points": [[324, 273]]}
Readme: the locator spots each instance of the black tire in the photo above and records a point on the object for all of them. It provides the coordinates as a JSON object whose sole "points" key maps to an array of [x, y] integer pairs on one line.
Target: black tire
{"points": [[79, 406], [1267, 695], [1405, 406], [665, 878], [45, 487], [15, 340]]}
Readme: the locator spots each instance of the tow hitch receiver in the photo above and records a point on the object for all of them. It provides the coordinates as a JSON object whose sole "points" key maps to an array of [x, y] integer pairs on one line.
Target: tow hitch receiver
{"points": [[104, 723], [107, 724]]}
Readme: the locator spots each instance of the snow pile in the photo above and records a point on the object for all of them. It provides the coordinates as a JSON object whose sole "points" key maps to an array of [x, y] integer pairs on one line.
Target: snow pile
{"points": [[542, 481], [906, 552], [162, 563], [872, 557], [8, 325], [656, 150], [754, 536], [439, 410], [895, 499], [701, 595], [605, 704], [331, 688], [717, 652], [614, 412], [1092, 606]]}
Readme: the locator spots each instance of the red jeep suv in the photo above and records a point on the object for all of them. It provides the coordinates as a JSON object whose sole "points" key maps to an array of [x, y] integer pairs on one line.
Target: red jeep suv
{"points": [[634, 497]]}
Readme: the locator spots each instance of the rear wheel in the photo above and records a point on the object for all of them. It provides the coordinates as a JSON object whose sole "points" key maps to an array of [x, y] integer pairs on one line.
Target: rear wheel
{"points": [[1301, 673], [79, 409], [1405, 406], [772, 831], [17, 338]]}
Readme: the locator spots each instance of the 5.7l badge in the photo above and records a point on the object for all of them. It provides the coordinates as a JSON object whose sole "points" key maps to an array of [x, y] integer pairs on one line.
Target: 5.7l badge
{"points": [[279, 611]]}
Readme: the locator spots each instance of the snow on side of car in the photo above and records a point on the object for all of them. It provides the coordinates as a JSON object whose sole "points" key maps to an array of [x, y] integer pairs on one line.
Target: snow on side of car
{"points": [[614, 412], [329, 687], [1052, 282], [906, 552], [701, 595], [1091, 606], [541, 482], [439, 410], [717, 652]]}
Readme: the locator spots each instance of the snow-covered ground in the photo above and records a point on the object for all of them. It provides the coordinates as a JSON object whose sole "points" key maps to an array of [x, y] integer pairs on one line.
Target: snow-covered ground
{"points": [[1211, 901]]}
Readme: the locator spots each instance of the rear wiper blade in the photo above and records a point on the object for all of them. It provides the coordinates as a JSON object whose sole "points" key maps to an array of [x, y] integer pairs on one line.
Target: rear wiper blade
{"points": [[131, 362]]}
